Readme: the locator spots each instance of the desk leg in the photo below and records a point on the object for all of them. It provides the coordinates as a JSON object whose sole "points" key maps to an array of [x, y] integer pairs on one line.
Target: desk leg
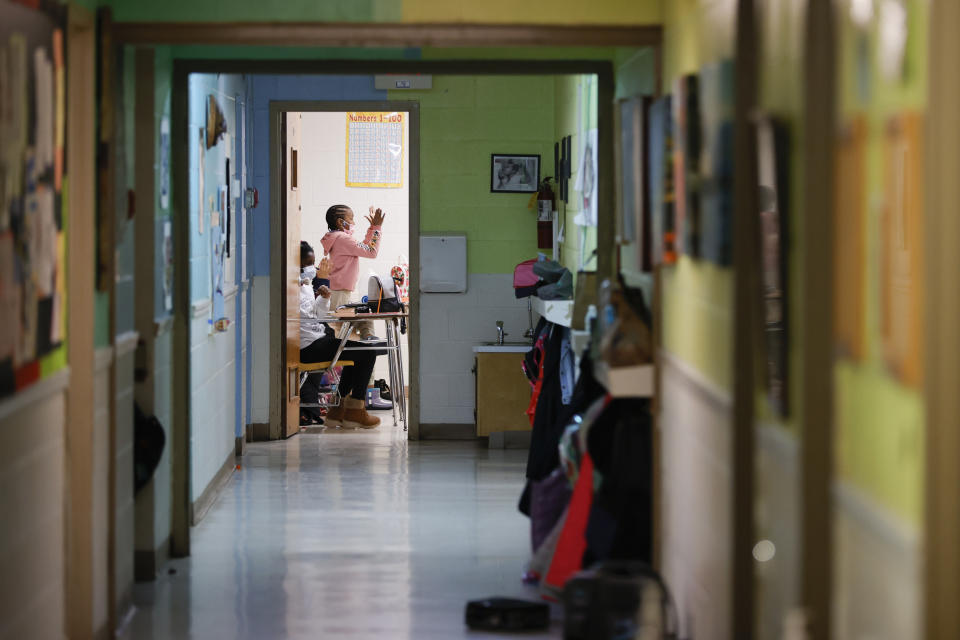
{"points": [[401, 388], [391, 343]]}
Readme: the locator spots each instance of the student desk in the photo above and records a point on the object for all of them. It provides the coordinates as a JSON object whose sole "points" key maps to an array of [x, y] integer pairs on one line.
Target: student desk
{"points": [[391, 321]]}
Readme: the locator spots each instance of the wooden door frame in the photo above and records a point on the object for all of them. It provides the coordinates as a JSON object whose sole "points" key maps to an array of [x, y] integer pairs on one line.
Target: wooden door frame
{"points": [[183, 68], [81, 207], [817, 360], [348, 35], [278, 247], [941, 562], [384, 34]]}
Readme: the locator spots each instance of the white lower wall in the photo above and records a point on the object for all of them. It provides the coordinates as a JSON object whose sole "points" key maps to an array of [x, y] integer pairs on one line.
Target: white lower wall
{"points": [[103, 359], [212, 400], [163, 409], [450, 325], [32, 540], [697, 487], [777, 520], [877, 571], [125, 537], [260, 345]]}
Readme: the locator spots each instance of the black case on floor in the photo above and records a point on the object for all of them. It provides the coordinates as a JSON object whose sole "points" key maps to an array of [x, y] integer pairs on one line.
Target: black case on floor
{"points": [[507, 614]]}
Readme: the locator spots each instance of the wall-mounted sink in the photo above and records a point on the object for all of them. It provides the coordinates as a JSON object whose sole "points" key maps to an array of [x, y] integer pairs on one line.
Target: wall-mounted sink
{"points": [[506, 347]]}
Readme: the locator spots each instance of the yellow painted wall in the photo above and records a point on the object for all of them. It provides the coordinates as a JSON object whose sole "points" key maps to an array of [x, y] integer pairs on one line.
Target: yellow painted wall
{"points": [[698, 295], [620, 12], [879, 426]]}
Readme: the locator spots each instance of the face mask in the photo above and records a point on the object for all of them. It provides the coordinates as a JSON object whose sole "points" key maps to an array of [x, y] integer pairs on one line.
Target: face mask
{"points": [[347, 228], [310, 272]]}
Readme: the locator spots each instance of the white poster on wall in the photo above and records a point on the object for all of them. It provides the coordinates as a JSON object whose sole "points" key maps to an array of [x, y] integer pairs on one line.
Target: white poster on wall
{"points": [[164, 168], [586, 183]]}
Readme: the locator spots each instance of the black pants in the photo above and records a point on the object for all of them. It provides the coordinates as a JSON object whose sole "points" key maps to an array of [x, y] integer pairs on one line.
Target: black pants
{"points": [[353, 379]]}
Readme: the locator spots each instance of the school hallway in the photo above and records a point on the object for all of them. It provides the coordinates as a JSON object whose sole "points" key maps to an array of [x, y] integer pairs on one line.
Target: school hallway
{"points": [[355, 534]]}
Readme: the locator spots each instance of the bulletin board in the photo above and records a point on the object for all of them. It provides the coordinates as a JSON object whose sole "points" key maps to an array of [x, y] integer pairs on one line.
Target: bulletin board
{"points": [[33, 186], [374, 149]]}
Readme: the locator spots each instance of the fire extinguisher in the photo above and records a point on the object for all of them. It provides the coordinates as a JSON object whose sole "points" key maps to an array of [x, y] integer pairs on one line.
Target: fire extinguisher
{"points": [[545, 203]]}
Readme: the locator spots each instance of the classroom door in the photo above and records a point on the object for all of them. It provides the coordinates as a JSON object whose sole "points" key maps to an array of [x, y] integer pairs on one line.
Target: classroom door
{"points": [[290, 131]]}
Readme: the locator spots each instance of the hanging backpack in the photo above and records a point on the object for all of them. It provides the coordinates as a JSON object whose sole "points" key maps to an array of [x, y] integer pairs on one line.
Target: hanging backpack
{"points": [[382, 295]]}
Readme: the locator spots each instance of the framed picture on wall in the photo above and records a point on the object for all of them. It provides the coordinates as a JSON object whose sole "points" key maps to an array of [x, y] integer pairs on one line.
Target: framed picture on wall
{"points": [[514, 173], [773, 173]]}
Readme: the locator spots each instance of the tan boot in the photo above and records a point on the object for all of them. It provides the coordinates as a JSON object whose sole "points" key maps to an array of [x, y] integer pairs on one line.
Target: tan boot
{"points": [[356, 415], [334, 417]]}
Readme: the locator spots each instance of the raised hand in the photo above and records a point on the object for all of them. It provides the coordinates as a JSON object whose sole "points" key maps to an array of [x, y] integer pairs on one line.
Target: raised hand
{"points": [[324, 291], [376, 217], [324, 268]]}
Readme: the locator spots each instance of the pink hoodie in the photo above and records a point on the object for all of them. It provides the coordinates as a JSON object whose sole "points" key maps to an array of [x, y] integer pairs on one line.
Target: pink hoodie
{"points": [[345, 254]]}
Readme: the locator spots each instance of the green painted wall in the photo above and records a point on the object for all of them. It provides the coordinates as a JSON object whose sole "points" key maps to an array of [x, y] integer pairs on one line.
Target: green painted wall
{"points": [[463, 120], [697, 296], [880, 422], [575, 106], [255, 10], [432, 11]]}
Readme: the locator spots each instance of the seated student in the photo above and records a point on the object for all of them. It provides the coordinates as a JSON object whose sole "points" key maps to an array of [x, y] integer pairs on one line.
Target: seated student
{"points": [[318, 344]]}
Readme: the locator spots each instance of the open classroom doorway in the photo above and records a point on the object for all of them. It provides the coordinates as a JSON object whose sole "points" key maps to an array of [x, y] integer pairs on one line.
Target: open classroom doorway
{"points": [[358, 155]]}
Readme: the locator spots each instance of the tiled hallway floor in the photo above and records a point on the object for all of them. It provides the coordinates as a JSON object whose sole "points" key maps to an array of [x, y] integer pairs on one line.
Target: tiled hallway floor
{"points": [[348, 535]]}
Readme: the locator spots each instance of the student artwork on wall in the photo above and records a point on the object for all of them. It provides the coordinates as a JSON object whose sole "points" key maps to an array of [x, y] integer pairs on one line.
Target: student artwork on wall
{"points": [[201, 192], [635, 222], [660, 173], [686, 156], [848, 253], [33, 183], [163, 168], [901, 244], [216, 123], [586, 183], [514, 173], [167, 266], [773, 198], [375, 141], [715, 192]]}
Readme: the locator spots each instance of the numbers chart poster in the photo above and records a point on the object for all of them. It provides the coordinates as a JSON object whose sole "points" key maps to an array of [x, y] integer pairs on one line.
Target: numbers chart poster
{"points": [[374, 149]]}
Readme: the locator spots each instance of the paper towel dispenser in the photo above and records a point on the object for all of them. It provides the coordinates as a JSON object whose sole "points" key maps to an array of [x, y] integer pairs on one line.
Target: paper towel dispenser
{"points": [[443, 262]]}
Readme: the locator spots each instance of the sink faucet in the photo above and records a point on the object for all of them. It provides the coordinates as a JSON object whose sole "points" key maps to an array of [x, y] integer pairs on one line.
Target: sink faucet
{"points": [[500, 332]]}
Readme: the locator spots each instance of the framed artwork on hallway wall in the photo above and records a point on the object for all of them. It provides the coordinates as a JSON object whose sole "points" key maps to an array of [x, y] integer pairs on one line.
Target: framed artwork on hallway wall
{"points": [[660, 175], [848, 249], [514, 173], [686, 161], [635, 219], [901, 249], [33, 181], [773, 177], [714, 172]]}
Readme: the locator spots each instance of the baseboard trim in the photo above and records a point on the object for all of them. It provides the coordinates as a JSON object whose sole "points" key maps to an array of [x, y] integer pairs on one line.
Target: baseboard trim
{"points": [[510, 440], [147, 564], [450, 431], [125, 612], [103, 633], [208, 498], [240, 446], [258, 432]]}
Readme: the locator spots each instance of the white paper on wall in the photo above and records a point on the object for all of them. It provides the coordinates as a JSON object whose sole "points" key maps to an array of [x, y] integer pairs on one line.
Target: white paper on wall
{"points": [[586, 183]]}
